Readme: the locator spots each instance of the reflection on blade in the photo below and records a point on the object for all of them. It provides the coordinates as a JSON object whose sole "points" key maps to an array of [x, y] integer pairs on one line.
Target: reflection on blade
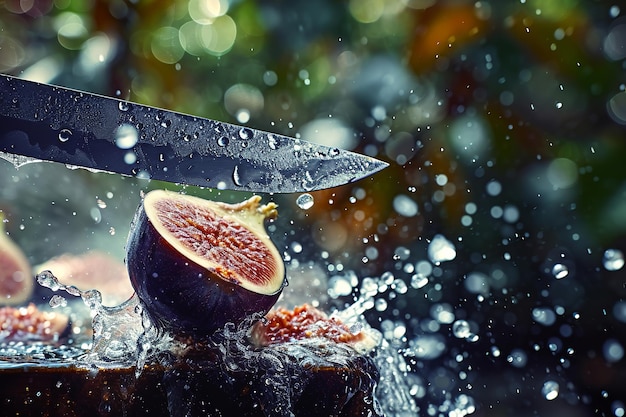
{"points": [[105, 134]]}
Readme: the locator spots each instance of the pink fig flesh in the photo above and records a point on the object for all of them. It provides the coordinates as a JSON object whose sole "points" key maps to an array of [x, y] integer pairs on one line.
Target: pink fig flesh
{"points": [[16, 279]]}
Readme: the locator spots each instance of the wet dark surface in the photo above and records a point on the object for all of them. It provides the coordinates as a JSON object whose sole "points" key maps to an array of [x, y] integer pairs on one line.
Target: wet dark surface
{"points": [[303, 380]]}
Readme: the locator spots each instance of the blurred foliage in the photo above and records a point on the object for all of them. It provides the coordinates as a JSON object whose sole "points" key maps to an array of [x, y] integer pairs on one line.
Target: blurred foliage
{"points": [[503, 121]]}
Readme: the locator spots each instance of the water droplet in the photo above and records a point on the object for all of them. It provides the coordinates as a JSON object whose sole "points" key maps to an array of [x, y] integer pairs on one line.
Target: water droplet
{"points": [[443, 313], [236, 177], [46, 279], [461, 329], [245, 133], [613, 351], [550, 390], [339, 286], [130, 157], [243, 115], [296, 247], [143, 174], [126, 136], [334, 152], [619, 311], [102, 204], [305, 201], [613, 259], [223, 141], [123, 106], [419, 281], [544, 315], [405, 206], [560, 271], [400, 286], [65, 135], [426, 347], [440, 250], [387, 278], [476, 283], [380, 304], [92, 298], [272, 141], [166, 123], [494, 188], [57, 301], [517, 358], [614, 11]]}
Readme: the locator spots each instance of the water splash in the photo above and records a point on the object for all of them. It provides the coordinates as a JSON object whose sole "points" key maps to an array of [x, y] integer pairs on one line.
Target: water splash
{"points": [[122, 335]]}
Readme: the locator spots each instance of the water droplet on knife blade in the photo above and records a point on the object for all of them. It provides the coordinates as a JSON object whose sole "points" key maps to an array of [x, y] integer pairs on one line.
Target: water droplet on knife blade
{"points": [[245, 133], [272, 141], [65, 135], [236, 177]]}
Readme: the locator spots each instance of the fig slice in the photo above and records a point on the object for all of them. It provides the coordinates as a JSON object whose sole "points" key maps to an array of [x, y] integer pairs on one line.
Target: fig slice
{"points": [[306, 322], [31, 324], [197, 264], [16, 279]]}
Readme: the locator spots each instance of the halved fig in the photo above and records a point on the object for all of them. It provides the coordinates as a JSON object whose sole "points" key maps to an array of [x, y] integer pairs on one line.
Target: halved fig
{"points": [[198, 264], [93, 269], [16, 279]]}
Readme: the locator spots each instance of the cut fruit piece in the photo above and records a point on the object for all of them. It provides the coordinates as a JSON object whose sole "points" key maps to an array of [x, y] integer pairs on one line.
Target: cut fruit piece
{"points": [[16, 278], [92, 269], [198, 264], [31, 324], [307, 322]]}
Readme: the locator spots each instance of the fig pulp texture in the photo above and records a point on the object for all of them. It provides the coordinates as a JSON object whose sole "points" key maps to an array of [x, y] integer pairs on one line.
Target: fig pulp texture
{"points": [[198, 264], [307, 322], [29, 324]]}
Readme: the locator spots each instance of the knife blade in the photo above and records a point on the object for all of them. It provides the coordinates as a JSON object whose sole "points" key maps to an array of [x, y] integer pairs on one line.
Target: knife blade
{"points": [[80, 129]]}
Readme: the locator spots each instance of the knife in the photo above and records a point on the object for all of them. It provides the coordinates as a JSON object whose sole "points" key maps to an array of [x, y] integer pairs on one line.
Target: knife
{"points": [[51, 123]]}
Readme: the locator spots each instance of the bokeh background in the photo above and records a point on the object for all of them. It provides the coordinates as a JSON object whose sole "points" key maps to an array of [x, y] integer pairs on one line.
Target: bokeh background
{"points": [[495, 238]]}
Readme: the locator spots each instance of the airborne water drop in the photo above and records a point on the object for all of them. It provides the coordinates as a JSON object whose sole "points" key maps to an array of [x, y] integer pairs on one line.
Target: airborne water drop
{"points": [[550, 390], [560, 271], [305, 201], [441, 250], [613, 259]]}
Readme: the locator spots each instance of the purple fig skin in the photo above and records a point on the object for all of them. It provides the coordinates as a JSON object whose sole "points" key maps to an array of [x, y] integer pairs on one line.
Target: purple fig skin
{"points": [[180, 296]]}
